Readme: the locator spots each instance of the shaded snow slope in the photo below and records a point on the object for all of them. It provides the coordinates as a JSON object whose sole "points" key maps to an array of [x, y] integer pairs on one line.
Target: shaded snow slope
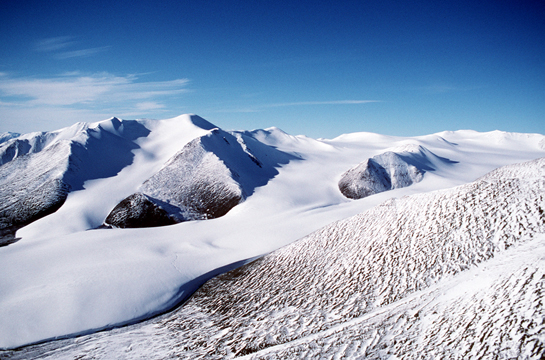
{"points": [[62, 278], [395, 280], [204, 180], [389, 170], [39, 170], [32, 187], [8, 136], [108, 161]]}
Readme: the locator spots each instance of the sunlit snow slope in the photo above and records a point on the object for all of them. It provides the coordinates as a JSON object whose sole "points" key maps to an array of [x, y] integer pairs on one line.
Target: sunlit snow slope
{"points": [[64, 278], [455, 273]]}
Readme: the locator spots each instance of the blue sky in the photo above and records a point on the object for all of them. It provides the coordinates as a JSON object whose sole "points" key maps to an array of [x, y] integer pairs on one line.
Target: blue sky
{"points": [[318, 68]]}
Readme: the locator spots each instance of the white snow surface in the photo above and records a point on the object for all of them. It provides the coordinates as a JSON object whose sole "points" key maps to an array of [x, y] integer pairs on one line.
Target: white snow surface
{"points": [[63, 278], [456, 273]]}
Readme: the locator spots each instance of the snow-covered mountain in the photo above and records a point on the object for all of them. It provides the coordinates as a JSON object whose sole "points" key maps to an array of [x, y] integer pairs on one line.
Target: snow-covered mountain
{"points": [[40, 169], [389, 170], [65, 276], [391, 281], [7, 136], [204, 180]]}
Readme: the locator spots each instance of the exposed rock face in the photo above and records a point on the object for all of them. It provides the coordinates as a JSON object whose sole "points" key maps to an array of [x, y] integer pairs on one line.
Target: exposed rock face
{"points": [[206, 179], [138, 211], [387, 171]]}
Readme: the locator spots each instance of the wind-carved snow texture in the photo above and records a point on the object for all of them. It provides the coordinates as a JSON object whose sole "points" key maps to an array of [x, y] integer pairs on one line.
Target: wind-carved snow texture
{"points": [[371, 286], [37, 171], [494, 311], [206, 179], [387, 171]]}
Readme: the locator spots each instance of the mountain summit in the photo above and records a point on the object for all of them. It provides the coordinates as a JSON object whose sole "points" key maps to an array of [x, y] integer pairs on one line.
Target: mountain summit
{"points": [[208, 177]]}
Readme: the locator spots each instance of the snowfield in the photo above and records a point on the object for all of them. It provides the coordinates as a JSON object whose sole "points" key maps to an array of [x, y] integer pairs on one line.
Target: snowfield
{"points": [[455, 273], [409, 252]]}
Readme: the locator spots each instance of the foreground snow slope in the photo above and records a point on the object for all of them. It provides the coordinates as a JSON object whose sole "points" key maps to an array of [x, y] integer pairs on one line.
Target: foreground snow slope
{"points": [[455, 273], [62, 278], [493, 311]]}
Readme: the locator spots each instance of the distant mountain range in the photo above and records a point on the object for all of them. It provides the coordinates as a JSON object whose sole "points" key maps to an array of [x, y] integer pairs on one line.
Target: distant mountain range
{"points": [[360, 246]]}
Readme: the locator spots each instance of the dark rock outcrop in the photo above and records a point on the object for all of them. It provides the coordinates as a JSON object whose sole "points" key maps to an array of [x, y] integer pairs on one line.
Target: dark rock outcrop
{"points": [[137, 210]]}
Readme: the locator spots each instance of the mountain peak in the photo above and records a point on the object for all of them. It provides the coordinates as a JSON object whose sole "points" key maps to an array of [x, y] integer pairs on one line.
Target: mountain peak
{"points": [[200, 122]]}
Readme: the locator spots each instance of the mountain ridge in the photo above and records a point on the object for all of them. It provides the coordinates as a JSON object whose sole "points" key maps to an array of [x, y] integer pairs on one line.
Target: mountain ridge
{"points": [[384, 258], [64, 262]]}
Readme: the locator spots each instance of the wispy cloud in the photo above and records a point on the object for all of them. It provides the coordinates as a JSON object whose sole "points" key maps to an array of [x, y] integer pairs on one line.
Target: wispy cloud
{"points": [[76, 89], [54, 43], [257, 108], [333, 102], [442, 88], [76, 93], [81, 53], [149, 105], [61, 46]]}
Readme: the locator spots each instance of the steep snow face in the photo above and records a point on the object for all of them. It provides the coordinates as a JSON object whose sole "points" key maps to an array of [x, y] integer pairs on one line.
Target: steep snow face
{"points": [[387, 171], [40, 169], [204, 180], [395, 272], [32, 187]]}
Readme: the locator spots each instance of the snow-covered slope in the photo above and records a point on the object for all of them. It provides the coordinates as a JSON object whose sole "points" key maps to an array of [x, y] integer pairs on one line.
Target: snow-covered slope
{"points": [[8, 136], [40, 169], [389, 170], [32, 187], [64, 278], [454, 273], [204, 180], [90, 154], [492, 311]]}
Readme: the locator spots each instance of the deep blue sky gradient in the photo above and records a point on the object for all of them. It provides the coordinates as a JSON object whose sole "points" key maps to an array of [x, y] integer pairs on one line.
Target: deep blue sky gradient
{"points": [[308, 67]]}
